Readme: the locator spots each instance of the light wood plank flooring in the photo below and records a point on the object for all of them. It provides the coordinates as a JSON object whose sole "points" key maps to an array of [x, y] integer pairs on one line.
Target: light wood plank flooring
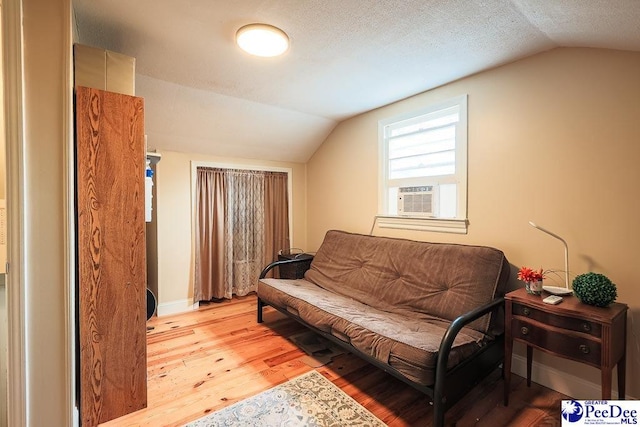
{"points": [[202, 361]]}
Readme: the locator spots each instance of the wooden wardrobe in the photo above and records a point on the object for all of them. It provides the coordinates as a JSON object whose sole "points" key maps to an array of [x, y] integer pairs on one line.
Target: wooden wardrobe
{"points": [[110, 155]]}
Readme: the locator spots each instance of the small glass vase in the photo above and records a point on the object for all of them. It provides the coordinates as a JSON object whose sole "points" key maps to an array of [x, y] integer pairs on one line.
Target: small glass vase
{"points": [[533, 288]]}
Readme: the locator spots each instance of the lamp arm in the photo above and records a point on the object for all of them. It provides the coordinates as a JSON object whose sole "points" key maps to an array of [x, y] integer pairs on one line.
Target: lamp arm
{"points": [[566, 251]]}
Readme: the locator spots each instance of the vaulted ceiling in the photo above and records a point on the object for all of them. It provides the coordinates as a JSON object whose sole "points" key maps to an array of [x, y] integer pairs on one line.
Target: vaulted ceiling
{"points": [[204, 95]]}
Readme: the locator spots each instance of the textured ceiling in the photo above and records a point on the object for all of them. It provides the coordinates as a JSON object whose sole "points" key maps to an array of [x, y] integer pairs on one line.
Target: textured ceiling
{"points": [[204, 95]]}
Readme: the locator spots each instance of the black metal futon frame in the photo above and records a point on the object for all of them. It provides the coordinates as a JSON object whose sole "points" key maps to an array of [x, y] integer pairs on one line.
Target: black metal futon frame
{"points": [[450, 384]]}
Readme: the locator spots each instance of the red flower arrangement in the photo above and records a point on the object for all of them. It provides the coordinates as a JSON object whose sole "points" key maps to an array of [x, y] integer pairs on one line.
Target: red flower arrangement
{"points": [[529, 275]]}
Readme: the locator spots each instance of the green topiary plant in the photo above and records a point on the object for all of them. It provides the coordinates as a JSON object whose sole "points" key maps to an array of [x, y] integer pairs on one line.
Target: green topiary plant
{"points": [[594, 289]]}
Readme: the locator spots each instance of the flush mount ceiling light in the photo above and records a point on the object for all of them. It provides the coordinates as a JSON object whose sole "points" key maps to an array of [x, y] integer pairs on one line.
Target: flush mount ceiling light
{"points": [[262, 40]]}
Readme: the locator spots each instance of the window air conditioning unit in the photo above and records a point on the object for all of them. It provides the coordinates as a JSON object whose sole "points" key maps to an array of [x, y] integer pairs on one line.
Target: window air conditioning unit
{"points": [[417, 201]]}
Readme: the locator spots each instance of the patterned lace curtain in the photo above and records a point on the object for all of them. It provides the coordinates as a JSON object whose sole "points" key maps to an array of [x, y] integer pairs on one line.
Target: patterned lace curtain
{"points": [[244, 231], [239, 229]]}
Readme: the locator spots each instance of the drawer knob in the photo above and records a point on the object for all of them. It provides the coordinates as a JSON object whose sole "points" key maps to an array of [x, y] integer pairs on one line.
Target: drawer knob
{"points": [[586, 327], [583, 348], [524, 330], [526, 311]]}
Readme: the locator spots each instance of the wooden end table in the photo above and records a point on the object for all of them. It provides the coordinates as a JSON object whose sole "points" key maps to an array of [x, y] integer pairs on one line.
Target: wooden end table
{"points": [[592, 335]]}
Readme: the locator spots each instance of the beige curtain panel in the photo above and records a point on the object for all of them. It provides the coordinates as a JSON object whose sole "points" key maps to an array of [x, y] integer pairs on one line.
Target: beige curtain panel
{"points": [[210, 230], [242, 221], [276, 208]]}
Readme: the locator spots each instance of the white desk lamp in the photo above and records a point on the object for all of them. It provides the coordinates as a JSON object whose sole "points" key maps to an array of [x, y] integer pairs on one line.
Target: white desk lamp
{"points": [[556, 290]]}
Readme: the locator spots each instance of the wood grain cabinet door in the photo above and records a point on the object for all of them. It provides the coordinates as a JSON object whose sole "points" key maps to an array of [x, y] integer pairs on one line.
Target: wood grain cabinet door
{"points": [[110, 155]]}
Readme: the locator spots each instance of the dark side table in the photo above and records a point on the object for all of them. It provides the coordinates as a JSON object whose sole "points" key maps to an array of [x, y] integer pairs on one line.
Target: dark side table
{"points": [[592, 335]]}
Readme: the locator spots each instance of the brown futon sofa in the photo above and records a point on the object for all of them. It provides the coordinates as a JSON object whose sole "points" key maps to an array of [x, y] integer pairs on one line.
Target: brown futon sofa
{"points": [[428, 313]]}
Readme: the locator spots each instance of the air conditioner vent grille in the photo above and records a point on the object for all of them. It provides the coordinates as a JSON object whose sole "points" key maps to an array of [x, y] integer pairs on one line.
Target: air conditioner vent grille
{"points": [[416, 201]]}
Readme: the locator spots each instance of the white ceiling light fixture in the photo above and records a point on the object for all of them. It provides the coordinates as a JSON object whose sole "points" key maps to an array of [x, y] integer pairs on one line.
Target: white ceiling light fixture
{"points": [[262, 40]]}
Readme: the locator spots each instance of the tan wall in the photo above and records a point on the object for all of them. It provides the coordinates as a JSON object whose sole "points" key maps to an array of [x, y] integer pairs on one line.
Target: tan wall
{"points": [[554, 138], [174, 204]]}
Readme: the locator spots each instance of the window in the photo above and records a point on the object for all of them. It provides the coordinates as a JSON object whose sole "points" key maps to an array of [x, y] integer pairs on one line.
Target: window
{"points": [[423, 167]]}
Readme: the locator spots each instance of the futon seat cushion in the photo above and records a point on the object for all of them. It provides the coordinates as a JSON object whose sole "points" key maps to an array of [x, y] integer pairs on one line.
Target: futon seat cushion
{"points": [[410, 278], [408, 344]]}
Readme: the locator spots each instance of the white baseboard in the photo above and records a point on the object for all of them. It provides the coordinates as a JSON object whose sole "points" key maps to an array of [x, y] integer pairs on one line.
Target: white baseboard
{"points": [[564, 383], [176, 307]]}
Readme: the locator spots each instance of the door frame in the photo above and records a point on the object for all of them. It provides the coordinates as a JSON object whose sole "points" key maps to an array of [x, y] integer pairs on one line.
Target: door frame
{"points": [[16, 339], [195, 164], [18, 210]]}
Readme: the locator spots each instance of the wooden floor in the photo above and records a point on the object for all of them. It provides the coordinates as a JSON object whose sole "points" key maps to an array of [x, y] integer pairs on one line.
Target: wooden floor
{"points": [[202, 361]]}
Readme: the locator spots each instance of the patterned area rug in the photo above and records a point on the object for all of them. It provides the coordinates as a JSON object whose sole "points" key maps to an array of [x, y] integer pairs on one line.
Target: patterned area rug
{"points": [[309, 400]]}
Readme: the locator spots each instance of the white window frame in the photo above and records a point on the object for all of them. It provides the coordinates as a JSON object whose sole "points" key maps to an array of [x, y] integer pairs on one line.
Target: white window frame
{"points": [[449, 225]]}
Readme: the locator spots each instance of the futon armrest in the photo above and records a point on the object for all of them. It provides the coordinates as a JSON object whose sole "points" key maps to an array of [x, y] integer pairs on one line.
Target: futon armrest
{"points": [[460, 322], [450, 335], [278, 263]]}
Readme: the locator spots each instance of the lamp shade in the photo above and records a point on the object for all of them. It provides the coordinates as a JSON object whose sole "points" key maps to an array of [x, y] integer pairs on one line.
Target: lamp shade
{"points": [[262, 40]]}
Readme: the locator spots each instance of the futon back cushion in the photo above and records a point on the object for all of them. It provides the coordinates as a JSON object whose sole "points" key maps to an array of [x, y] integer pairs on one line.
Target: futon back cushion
{"points": [[413, 278]]}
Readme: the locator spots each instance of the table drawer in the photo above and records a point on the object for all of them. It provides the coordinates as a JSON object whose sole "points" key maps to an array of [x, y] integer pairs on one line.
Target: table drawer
{"points": [[578, 325], [568, 345]]}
